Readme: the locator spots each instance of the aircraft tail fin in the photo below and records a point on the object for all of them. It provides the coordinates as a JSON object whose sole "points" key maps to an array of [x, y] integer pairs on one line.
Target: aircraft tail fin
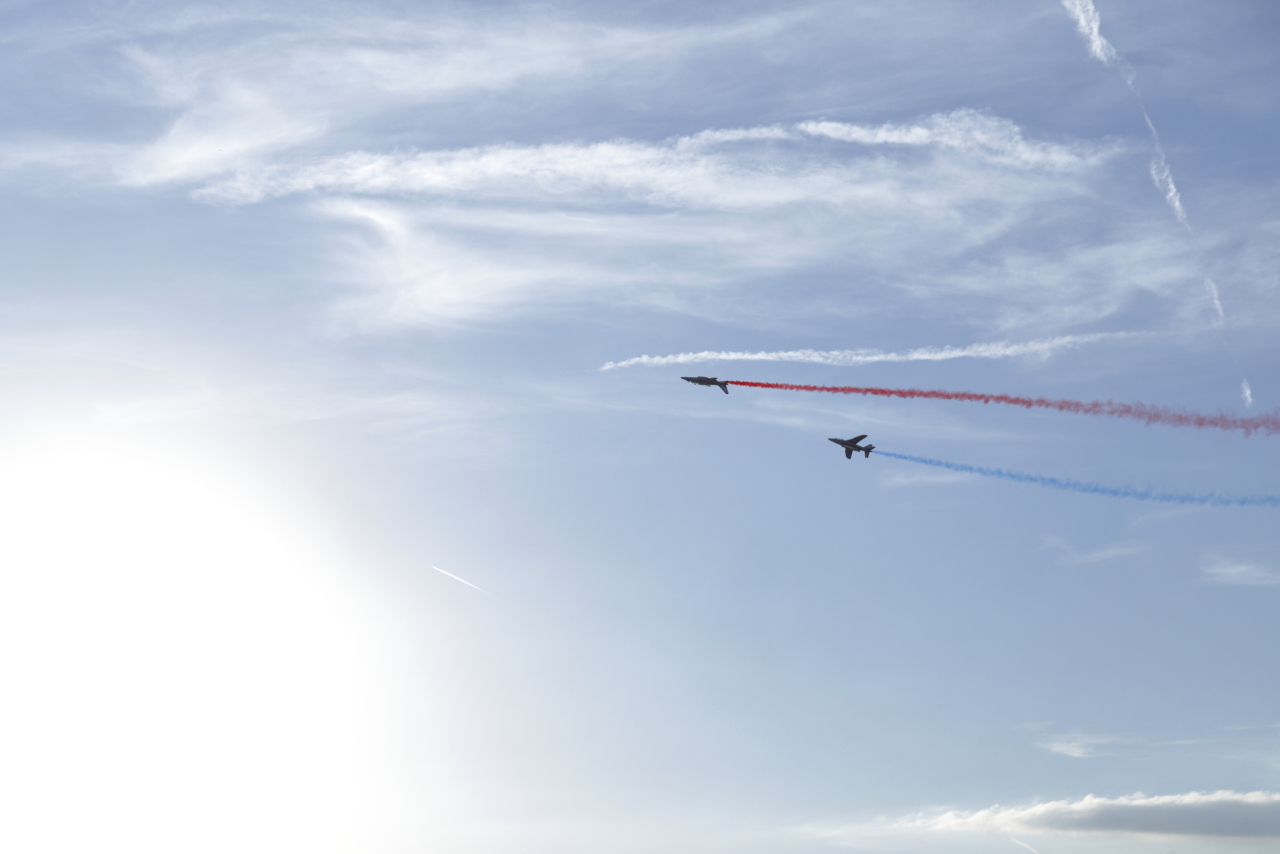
{"points": [[867, 451], [848, 453], [724, 387]]}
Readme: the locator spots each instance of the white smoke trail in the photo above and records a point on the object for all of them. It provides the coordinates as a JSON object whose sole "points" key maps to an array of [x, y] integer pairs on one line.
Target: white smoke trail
{"points": [[843, 358], [1023, 844], [1089, 23], [1246, 394]]}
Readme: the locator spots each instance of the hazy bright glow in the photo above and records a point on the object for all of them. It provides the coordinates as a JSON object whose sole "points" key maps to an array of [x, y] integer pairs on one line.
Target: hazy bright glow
{"points": [[179, 669]]}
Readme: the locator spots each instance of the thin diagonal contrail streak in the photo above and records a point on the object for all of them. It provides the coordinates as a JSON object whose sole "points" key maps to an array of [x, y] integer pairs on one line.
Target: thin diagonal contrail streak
{"points": [[463, 580], [1089, 23]]}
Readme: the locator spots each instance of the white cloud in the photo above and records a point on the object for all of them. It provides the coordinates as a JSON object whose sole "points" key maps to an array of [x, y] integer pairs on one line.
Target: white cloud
{"points": [[1111, 553], [1106, 553], [1194, 814], [1089, 23], [1219, 570], [933, 210], [702, 170], [993, 139], [465, 232], [237, 89], [1075, 745], [991, 350], [414, 266], [282, 90]]}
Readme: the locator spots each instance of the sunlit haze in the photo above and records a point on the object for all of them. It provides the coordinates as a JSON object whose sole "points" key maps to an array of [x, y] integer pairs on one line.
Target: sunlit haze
{"points": [[183, 669]]}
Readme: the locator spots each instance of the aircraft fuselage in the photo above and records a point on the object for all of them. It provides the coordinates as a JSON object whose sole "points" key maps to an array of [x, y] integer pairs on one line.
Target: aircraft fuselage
{"points": [[851, 445], [707, 381]]}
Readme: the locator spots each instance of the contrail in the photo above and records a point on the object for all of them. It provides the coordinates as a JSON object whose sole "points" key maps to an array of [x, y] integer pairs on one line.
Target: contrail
{"points": [[1024, 845], [1162, 175], [456, 578], [1211, 499], [1268, 424], [1215, 300], [1089, 23], [992, 350]]}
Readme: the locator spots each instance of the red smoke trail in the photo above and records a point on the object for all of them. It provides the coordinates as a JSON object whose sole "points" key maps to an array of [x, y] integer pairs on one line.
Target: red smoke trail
{"points": [[1267, 424]]}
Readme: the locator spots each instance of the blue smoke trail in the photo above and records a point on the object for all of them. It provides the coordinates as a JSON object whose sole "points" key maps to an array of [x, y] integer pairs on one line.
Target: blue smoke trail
{"points": [[1097, 489]]}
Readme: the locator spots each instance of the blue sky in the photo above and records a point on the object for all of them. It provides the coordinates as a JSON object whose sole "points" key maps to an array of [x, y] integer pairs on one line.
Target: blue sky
{"points": [[302, 301]]}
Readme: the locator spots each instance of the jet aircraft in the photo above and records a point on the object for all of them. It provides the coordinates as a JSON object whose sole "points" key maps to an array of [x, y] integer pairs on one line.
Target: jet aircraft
{"points": [[707, 381], [851, 445]]}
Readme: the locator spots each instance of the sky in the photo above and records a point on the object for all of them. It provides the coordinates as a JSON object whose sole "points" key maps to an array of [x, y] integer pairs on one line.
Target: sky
{"points": [[350, 499]]}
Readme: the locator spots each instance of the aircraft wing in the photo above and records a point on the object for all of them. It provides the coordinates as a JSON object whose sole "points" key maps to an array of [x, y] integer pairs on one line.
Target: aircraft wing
{"points": [[856, 439]]}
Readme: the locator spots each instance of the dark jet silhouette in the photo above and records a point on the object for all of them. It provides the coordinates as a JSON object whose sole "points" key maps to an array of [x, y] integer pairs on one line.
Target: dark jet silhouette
{"points": [[707, 381], [851, 445]]}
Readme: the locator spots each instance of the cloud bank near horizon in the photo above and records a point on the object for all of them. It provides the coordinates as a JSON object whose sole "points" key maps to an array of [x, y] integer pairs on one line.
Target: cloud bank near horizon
{"points": [[1223, 813]]}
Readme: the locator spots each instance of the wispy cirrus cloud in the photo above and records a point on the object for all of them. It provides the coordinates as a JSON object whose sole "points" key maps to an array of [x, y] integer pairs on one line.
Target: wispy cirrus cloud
{"points": [[240, 88], [998, 141], [1076, 745], [670, 219], [931, 209], [1221, 570], [1097, 555], [992, 350], [705, 169], [661, 219]]}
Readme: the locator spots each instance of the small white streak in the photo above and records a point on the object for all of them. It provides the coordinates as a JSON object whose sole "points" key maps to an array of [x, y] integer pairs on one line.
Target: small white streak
{"points": [[456, 578], [1076, 746], [1162, 177], [1023, 844], [992, 350], [1089, 23], [1246, 394], [1212, 289], [1161, 174], [1227, 571]]}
